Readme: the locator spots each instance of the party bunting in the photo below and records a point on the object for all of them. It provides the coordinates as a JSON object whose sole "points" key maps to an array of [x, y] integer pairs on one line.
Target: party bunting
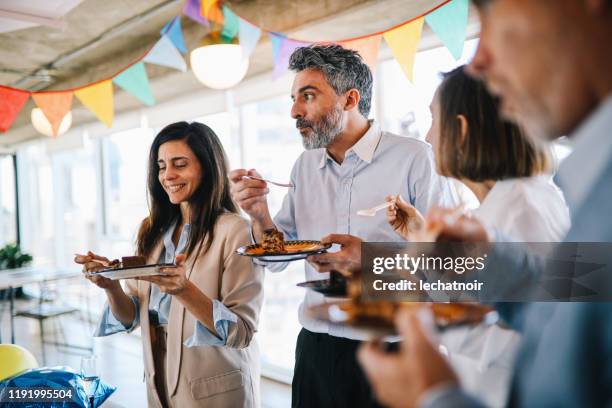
{"points": [[174, 32], [192, 9], [55, 105], [165, 53], [231, 24], [403, 42], [449, 22], [282, 48], [11, 102], [98, 98], [367, 47], [135, 81], [248, 35]]}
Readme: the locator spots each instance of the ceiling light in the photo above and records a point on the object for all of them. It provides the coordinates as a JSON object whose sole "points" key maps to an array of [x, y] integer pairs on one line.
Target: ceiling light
{"points": [[42, 124], [217, 63]]}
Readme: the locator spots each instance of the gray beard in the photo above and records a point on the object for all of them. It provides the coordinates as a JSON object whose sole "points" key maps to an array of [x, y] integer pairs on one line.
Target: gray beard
{"points": [[324, 131]]}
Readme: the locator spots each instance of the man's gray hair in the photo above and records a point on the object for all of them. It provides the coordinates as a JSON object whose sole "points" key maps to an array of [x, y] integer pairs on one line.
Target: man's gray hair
{"points": [[343, 69]]}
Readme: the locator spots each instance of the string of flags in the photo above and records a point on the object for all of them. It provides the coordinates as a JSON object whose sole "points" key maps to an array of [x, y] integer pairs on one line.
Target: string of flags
{"points": [[448, 20]]}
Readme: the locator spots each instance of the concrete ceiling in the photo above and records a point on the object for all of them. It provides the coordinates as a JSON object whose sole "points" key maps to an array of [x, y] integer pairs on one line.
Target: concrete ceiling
{"points": [[99, 38]]}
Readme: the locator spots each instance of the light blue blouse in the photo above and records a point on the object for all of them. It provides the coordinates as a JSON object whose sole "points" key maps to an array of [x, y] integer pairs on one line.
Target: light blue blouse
{"points": [[159, 304]]}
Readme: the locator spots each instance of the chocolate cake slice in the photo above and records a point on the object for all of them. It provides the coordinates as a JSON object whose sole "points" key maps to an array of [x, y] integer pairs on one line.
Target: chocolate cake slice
{"points": [[133, 261], [273, 241]]}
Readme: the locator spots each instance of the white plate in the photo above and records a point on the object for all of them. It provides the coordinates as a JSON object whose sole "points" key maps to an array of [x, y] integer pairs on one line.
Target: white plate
{"points": [[127, 273]]}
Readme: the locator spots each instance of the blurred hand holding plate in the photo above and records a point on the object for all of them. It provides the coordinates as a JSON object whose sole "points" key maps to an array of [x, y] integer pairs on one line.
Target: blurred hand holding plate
{"points": [[294, 250], [376, 319]]}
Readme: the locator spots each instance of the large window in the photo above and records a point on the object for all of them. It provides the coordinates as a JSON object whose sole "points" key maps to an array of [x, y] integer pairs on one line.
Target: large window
{"points": [[124, 176], [8, 216], [405, 105]]}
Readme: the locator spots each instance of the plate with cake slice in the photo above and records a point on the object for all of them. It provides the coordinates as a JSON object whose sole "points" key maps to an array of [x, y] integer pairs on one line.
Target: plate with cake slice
{"points": [[128, 267], [274, 248]]}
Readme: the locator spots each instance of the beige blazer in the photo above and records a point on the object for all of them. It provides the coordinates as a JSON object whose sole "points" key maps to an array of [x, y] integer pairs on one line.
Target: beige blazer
{"points": [[210, 376]]}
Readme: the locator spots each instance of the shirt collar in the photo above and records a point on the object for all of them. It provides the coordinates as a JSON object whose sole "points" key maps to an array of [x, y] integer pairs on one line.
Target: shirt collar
{"points": [[592, 146], [364, 148], [171, 251]]}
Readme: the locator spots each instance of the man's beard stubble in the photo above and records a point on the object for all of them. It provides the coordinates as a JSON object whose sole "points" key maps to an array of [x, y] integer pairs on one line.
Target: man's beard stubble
{"points": [[324, 131]]}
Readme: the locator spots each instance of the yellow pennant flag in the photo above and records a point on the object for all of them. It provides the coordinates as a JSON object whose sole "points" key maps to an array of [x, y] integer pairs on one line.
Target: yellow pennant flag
{"points": [[55, 105], [403, 42], [98, 98], [367, 47], [205, 8]]}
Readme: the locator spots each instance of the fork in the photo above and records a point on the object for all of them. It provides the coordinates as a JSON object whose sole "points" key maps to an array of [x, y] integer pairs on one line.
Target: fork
{"points": [[370, 212], [269, 181]]}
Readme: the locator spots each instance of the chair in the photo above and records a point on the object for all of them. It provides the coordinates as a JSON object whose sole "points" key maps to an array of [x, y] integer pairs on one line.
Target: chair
{"points": [[45, 310]]}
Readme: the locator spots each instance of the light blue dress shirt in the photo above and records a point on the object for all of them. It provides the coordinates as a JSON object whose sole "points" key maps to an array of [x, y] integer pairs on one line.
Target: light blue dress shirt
{"points": [[159, 305], [327, 196]]}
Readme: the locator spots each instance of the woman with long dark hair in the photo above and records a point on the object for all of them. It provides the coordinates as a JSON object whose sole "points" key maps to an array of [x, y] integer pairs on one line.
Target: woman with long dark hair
{"points": [[199, 318]]}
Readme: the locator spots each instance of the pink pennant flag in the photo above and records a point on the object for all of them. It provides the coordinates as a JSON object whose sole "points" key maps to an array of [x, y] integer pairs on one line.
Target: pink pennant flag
{"points": [[367, 47], [11, 102]]}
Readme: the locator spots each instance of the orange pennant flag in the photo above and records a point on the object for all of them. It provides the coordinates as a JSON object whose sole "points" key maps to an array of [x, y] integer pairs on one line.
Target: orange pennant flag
{"points": [[55, 105], [11, 102], [205, 7], [211, 11], [403, 42], [367, 47], [98, 98]]}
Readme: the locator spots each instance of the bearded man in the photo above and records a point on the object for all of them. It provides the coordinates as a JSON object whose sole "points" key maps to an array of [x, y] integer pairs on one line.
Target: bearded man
{"points": [[349, 164]]}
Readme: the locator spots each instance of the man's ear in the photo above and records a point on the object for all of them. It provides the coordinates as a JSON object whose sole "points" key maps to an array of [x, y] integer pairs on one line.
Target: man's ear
{"points": [[352, 99], [465, 128]]}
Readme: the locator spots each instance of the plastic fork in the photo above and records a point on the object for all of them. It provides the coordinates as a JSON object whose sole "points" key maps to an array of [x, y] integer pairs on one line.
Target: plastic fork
{"points": [[269, 181], [370, 212]]}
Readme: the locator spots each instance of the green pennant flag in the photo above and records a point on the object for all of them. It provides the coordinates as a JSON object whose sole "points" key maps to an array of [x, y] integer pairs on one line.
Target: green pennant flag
{"points": [[135, 81], [449, 22], [231, 24]]}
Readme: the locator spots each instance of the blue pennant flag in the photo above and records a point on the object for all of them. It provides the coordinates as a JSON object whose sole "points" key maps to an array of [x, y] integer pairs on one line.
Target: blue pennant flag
{"points": [[173, 30], [165, 53]]}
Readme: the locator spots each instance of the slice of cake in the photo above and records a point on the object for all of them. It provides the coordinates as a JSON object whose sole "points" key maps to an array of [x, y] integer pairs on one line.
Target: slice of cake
{"points": [[133, 261], [273, 241]]}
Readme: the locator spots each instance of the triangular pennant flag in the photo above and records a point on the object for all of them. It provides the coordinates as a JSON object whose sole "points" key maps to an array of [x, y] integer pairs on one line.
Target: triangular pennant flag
{"points": [[282, 48], [192, 9], [173, 30], [211, 11], [248, 35], [367, 47], [135, 81], [55, 105], [449, 22], [207, 8], [165, 53], [11, 102], [231, 24], [98, 98], [403, 42]]}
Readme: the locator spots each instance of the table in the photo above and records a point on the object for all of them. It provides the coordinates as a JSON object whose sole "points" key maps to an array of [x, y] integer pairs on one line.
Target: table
{"points": [[14, 278]]}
